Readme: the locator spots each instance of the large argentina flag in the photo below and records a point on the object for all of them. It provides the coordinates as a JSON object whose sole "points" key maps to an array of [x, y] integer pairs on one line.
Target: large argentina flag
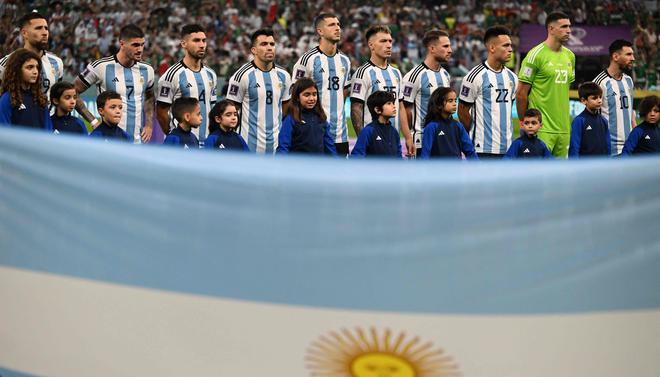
{"points": [[121, 260]]}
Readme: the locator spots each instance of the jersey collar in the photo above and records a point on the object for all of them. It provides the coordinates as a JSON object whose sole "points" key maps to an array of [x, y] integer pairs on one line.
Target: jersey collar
{"points": [[201, 66]]}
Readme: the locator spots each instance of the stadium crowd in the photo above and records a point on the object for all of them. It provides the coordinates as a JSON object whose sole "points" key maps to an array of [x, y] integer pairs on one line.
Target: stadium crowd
{"points": [[85, 30]]}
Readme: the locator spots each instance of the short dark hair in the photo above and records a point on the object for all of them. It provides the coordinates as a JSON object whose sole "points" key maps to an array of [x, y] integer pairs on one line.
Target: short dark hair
{"points": [[130, 31], [59, 88], [533, 113], [555, 16], [191, 28], [260, 32], [27, 17], [618, 44], [378, 99], [321, 17], [647, 104], [182, 106], [589, 88], [375, 29], [105, 96], [494, 32], [432, 36]]}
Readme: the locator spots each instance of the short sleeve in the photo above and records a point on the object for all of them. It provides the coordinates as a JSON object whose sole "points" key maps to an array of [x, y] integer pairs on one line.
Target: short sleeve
{"points": [[469, 91], [409, 88], [166, 91], [236, 89], [214, 87], [359, 89], [527, 71], [287, 87], [299, 70], [572, 77], [151, 78]]}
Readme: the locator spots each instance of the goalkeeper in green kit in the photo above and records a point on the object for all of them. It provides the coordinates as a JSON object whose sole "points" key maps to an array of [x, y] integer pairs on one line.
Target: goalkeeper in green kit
{"points": [[545, 76]]}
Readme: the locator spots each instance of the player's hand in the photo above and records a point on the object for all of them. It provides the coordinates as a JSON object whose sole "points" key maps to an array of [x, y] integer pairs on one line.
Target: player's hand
{"points": [[410, 147], [147, 131]]}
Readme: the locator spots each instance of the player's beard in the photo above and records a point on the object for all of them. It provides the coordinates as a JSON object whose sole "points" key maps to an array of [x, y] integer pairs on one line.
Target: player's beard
{"points": [[41, 45]]}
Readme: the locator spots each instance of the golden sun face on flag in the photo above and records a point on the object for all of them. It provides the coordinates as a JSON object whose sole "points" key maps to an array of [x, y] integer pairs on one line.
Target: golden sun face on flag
{"points": [[362, 353]]}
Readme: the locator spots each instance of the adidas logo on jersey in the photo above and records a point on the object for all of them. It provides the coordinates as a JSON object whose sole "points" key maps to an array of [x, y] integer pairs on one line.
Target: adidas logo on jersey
{"points": [[56, 132], [442, 133], [22, 107], [478, 145], [550, 64], [647, 137], [185, 146], [490, 85], [377, 81], [221, 146], [378, 138], [588, 128], [189, 85], [526, 150], [429, 85], [257, 86], [322, 70], [115, 80]]}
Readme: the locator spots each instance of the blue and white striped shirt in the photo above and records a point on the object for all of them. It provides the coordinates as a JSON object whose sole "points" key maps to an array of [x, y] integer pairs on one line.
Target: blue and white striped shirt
{"points": [[370, 78], [132, 83], [181, 81], [331, 74], [617, 107], [491, 93], [52, 70], [418, 85], [260, 94]]}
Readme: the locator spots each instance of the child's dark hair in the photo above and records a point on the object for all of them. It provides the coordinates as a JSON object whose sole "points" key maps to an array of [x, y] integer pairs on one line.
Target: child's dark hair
{"points": [[533, 113], [295, 108], [647, 104], [436, 105], [182, 106], [13, 78], [589, 88], [378, 99], [217, 111], [58, 89], [105, 96]]}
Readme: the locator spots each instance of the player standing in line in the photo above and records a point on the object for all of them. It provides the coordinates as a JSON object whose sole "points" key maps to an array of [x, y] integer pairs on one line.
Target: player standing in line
{"points": [[376, 75], [618, 87], [262, 89], [34, 31], [125, 74], [486, 99], [421, 81], [188, 78], [546, 75], [330, 70]]}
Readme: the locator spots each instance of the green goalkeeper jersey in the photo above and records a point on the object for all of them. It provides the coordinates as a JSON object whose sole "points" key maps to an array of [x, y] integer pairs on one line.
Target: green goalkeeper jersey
{"points": [[550, 74]]}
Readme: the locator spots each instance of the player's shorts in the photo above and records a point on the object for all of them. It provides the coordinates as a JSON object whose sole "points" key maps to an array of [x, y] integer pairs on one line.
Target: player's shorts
{"points": [[557, 143]]}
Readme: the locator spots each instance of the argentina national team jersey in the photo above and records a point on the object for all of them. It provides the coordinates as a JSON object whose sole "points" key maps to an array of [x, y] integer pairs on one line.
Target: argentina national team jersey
{"points": [[52, 70], [370, 78], [491, 93], [180, 81], [617, 107], [331, 75], [418, 85], [260, 94], [132, 83]]}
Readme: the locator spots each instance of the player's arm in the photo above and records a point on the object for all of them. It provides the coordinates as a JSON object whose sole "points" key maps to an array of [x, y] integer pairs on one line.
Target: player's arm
{"points": [[163, 116], [409, 107], [522, 97], [576, 138], [405, 128], [148, 128], [465, 115], [81, 87], [357, 115]]}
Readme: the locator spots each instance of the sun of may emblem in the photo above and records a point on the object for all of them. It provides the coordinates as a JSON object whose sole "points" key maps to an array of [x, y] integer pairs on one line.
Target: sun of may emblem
{"points": [[373, 353]]}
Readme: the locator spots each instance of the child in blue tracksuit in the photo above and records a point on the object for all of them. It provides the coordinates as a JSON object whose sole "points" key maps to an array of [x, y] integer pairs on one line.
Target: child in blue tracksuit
{"points": [[188, 113], [63, 97], [23, 103], [442, 135], [305, 128], [223, 120], [379, 138], [109, 104], [528, 145], [590, 134], [645, 138]]}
